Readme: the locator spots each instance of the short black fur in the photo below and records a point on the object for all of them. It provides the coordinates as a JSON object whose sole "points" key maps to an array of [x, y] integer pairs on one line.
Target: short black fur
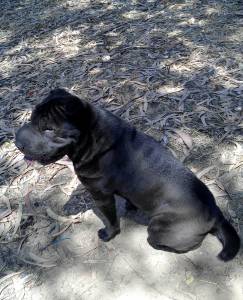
{"points": [[111, 158]]}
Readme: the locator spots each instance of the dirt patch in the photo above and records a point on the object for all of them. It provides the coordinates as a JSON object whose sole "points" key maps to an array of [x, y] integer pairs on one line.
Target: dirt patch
{"points": [[171, 68]]}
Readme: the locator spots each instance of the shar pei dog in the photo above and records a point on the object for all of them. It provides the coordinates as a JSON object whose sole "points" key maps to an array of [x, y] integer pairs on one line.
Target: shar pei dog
{"points": [[110, 158]]}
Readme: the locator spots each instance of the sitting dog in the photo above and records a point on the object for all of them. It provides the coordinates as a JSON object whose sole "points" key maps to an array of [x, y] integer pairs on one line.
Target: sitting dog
{"points": [[110, 157]]}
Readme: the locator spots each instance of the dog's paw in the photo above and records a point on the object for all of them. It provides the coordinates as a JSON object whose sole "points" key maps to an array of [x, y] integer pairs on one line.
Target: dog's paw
{"points": [[106, 236]]}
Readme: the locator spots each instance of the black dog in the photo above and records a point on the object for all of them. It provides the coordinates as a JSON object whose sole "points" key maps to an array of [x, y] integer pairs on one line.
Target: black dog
{"points": [[110, 157]]}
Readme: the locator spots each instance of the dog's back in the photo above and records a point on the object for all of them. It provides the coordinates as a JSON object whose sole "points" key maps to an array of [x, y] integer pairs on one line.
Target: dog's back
{"points": [[182, 208]]}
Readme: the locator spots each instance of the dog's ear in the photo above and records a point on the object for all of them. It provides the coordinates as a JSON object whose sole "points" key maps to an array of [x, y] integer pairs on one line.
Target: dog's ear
{"points": [[76, 111], [59, 92], [64, 136], [69, 131], [61, 106]]}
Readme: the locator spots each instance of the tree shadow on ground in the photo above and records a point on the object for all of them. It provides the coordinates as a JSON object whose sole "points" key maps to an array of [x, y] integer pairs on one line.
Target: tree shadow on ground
{"points": [[159, 65]]}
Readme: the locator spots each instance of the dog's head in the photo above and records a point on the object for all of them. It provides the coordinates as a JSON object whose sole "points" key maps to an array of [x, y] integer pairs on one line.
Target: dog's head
{"points": [[56, 124]]}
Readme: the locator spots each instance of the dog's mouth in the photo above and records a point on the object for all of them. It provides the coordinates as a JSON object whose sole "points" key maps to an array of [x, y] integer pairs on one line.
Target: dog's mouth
{"points": [[42, 160], [31, 160]]}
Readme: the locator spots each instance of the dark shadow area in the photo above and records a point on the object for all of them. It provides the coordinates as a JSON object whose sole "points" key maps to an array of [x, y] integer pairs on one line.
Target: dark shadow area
{"points": [[160, 65]]}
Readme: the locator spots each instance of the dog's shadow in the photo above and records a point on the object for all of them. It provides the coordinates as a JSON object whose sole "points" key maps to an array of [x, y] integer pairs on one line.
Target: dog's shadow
{"points": [[81, 201]]}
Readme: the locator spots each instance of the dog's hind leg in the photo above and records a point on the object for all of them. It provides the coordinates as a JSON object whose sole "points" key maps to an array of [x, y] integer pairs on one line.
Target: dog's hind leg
{"points": [[173, 236]]}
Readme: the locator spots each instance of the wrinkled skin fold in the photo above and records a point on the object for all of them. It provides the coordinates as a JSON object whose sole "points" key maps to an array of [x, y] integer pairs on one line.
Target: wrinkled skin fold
{"points": [[110, 158]]}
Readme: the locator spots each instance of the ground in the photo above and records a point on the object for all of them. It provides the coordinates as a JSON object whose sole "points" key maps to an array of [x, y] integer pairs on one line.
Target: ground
{"points": [[174, 70]]}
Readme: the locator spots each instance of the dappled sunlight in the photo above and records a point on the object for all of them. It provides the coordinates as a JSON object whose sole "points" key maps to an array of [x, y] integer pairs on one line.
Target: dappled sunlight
{"points": [[67, 42], [134, 15], [73, 5], [237, 284], [174, 70], [169, 89], [211, 11]]}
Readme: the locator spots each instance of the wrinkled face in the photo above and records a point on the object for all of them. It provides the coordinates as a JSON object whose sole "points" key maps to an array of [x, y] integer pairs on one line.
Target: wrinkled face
{"points": [[49, 135], [43, 146]]}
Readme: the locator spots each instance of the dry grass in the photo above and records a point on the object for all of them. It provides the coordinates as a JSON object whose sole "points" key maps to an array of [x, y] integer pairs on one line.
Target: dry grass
{"points": [[172, 68]]}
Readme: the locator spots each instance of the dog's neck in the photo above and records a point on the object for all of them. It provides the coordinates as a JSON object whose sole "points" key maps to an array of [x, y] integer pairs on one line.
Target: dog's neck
{"points": [[101, 136]]}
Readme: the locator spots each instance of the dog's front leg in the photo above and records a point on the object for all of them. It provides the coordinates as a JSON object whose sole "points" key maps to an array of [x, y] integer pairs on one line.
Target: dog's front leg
{"points": [[105, 209]]}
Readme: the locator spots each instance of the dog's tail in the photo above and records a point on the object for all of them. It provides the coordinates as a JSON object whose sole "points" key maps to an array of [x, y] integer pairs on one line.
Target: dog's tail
{"points": [[229, 238]]}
